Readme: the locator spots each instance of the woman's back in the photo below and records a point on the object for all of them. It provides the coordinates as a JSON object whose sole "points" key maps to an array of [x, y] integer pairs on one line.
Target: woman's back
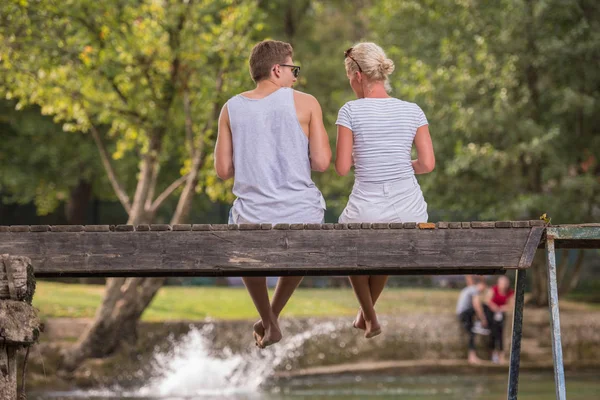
{"points": [[383, 130]]}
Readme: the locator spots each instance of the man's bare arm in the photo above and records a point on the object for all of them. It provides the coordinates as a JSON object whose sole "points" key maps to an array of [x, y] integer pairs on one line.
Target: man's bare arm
{"points": [[318, 141], [224, 147]]}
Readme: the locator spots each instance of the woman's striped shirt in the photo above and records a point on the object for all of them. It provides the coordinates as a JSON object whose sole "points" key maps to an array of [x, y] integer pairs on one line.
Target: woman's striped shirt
{"points": [[384, 130]]}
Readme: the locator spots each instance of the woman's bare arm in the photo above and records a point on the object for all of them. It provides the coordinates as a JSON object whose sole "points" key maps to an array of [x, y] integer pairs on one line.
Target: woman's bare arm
{"points": [[425, 161], [343, 156]]}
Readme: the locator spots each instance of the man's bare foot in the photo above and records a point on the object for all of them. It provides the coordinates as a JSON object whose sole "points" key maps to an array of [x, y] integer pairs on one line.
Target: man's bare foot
{"points": [[259, 332], [272, 335], [372, 329], [359, 321], [474, 360]]}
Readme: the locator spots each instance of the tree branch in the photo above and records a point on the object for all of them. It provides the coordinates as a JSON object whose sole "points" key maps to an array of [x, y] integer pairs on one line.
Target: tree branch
{"points": [[154, 178], [189, 131], [168, 191], [112, 177]]}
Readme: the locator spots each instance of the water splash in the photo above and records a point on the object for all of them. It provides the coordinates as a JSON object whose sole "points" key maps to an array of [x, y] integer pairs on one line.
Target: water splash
{"points": [[192, 370]]}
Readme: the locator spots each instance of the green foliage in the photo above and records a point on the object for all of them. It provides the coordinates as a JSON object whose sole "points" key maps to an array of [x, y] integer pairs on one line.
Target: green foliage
{"points": [[510, 88], [125, 67], [511, 93]]}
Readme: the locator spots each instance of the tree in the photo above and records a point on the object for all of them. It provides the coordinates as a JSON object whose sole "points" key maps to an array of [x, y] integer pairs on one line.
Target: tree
{"points": [[150, 76], [511, 89]]}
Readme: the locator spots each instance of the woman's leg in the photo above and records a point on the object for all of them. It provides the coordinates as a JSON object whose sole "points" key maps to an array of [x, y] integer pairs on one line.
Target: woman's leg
{"points": [[362, 289], [257, 287], [376, 285], [500, 341]]}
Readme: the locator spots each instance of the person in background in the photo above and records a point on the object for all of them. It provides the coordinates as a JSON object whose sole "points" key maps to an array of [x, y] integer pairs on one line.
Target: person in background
{"points": [[375, 134], [468, 307], [498, 301]]}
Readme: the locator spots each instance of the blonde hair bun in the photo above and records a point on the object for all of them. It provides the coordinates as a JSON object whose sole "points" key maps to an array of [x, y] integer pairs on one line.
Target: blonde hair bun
{"points": [[387, 66]]}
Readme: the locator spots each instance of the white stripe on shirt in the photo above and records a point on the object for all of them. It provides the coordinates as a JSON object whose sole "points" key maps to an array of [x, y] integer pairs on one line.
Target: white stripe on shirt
{"points": [[384, 130]]}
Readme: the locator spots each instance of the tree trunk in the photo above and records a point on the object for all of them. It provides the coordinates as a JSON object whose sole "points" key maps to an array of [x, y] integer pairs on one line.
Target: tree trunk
{"points": [[76, 214], [118, 314], [126, 299]]}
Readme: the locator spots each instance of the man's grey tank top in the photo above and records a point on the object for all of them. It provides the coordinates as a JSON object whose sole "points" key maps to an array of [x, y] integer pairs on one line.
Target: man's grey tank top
{"points": [[272, 179]]}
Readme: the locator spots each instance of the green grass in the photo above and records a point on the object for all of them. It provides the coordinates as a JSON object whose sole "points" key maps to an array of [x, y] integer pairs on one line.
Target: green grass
{"points": [[193, 303]]}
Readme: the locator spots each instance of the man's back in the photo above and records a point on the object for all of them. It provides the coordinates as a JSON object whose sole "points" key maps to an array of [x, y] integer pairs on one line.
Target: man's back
{"points": [[272, 167]]}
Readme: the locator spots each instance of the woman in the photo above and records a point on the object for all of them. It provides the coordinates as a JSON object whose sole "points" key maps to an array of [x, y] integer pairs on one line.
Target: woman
{"points": [[376, 134], [497, 303]]}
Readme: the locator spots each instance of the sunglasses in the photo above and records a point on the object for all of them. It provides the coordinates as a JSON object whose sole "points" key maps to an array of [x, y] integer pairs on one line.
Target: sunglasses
{"points": [[347, 55], [295, 69]]}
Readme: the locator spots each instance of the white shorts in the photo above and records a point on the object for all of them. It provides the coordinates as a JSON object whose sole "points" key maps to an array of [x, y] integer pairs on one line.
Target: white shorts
{"points": [[398, 201]]}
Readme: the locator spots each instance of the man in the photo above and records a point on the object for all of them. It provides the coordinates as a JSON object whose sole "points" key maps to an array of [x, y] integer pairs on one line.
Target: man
{"points": [[468, 306], [269, 140]]}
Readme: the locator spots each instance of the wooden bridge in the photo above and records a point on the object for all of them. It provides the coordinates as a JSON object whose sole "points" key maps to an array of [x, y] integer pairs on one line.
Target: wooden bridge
{"points": [[479, 247]]}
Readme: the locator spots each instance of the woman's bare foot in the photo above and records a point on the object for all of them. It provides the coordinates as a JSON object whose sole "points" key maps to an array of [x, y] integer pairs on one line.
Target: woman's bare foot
{"points": [[372, 329], [359, 321]]}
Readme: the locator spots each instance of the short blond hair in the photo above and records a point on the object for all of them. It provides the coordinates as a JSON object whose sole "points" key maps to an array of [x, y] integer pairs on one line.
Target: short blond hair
{"points": [[370, 59]]}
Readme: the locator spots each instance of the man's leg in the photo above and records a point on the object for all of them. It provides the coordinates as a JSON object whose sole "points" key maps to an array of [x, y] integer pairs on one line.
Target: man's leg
{"points": [[466, 317], [284, 290], [257, 287], [376, 284]]}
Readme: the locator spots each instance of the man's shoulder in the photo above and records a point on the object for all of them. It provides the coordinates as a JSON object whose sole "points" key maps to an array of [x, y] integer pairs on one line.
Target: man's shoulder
{"points": [[305, 98]]}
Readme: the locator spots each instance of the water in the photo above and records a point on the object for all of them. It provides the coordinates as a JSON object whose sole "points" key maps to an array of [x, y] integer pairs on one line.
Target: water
{"points": [[193, 372]]}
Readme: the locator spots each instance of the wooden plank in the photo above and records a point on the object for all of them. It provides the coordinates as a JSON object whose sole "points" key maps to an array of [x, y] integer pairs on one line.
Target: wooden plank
{"points": [[19, 322], [249, 227], [312, 226], [426, 225], [8, 372], [160, 227], [535, 235], [96, 228], [483, 224], [16, 278], [380, 225], [268, 252], [66, 228], [42, 228], [19, 228]]}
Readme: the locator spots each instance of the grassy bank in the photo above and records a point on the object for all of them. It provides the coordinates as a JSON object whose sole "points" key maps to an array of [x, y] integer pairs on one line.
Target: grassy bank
{"points": [[193, 303]]}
